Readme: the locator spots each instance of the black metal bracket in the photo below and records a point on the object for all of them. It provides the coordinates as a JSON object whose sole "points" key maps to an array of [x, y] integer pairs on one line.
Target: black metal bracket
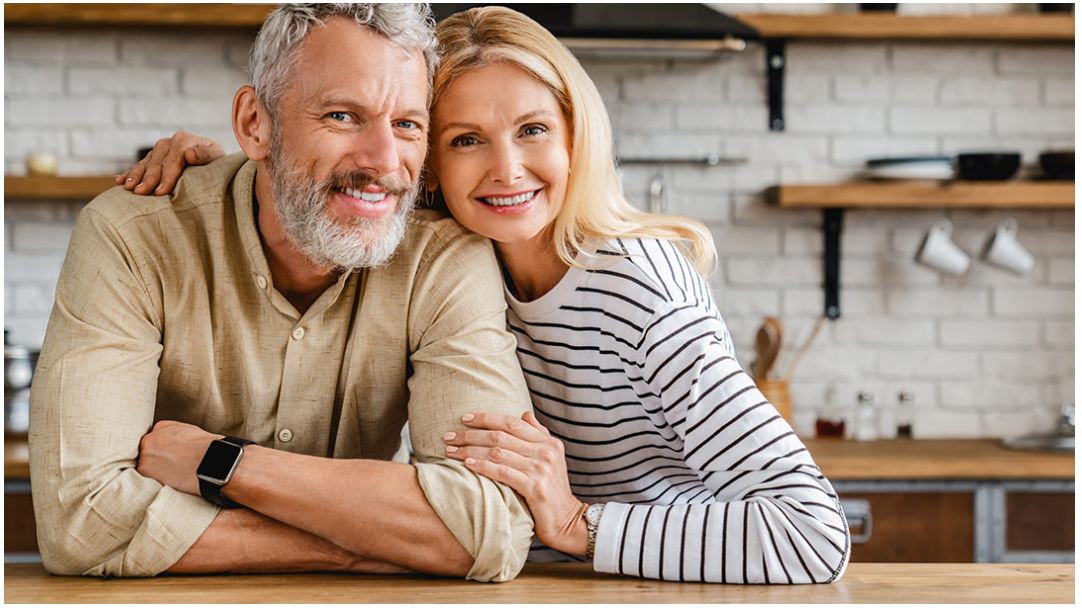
{"points": [[775, 73], [832, 255]]}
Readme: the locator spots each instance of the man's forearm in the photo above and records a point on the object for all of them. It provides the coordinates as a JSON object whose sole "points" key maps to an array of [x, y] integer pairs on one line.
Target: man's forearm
{"points": [[241, 540], [373, 509]]}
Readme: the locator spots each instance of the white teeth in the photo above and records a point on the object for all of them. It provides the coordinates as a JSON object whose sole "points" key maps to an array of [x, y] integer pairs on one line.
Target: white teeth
{"points": [[368, 197], [508, 201]]}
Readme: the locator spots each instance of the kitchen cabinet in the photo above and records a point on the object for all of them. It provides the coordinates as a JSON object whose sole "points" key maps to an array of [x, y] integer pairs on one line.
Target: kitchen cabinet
{"points": [[952, 501], [927, 194], [872, 26]]}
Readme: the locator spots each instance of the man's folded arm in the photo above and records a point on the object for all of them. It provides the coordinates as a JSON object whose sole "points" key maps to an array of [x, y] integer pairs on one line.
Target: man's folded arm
{"points": [[92, 400], [464, 361]]}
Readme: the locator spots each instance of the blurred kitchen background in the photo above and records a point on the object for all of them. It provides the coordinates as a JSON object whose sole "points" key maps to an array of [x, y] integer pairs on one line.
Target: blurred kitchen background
{"points": [[987, 354]]}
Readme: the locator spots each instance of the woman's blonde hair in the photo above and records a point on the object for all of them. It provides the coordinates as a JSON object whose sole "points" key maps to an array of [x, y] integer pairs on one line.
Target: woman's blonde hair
{"points": [[594, 208]]}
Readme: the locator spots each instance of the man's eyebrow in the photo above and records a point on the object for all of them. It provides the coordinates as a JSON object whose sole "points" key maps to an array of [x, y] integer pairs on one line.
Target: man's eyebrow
{"points": [[469, 126], [345, 102]]}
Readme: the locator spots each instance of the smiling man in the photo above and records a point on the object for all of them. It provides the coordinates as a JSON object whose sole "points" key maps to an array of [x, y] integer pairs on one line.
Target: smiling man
{"points": [[227, 369]]}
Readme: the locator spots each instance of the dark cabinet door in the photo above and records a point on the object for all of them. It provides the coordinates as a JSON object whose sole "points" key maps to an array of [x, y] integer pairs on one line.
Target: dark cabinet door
{"points": [[934, 527]]}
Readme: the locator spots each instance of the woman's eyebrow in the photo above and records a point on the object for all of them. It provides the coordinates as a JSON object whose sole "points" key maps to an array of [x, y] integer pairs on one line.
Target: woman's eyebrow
{"points": [[469, 126]]}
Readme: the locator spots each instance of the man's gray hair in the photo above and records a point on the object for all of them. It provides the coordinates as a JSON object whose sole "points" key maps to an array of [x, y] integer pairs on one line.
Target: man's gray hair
{"points": [[274, 54]]}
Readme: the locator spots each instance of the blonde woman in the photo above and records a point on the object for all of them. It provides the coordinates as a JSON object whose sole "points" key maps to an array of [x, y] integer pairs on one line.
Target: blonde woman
{"points": [[651, 453]]}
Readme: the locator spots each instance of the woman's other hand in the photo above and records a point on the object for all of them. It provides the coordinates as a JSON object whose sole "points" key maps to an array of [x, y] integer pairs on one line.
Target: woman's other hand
{"points": [[521, 454], [159, 171]]}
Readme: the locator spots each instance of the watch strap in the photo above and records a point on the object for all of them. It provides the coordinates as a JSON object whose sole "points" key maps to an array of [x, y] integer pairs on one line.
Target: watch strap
{"points": [[212, 491]]}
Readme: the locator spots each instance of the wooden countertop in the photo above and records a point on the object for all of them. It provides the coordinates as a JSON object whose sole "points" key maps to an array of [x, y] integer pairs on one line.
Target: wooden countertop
{"points": [[935, 459], [899, 459], [559, 583]]}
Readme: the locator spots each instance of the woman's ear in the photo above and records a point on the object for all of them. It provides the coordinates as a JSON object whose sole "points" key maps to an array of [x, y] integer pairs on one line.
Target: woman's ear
{"points": [[431, 182], [251, 124]]}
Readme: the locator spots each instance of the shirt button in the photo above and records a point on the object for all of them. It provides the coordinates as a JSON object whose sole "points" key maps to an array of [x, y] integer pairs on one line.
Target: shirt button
{"points": [[261, 281], [285, 435], [298, 334]]}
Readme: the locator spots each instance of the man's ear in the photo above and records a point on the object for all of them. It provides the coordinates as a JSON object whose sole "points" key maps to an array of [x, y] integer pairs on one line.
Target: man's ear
{"points": [[251, 124]]}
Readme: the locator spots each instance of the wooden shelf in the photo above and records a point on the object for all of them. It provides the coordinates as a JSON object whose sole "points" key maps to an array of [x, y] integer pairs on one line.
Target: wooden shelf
{"points": [[1035, 27], [926, 194], [148, 14], [55, 187], [865, 26]]}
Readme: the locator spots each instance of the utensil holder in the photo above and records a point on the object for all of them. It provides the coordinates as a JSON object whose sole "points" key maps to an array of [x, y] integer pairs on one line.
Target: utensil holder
{"points": [[777, 393]]}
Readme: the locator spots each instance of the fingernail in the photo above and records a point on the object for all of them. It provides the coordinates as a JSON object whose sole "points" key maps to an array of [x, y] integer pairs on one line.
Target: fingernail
{"points": [[451, 449], [448, 435], [467, 417], [470, 461], [129, 179]]}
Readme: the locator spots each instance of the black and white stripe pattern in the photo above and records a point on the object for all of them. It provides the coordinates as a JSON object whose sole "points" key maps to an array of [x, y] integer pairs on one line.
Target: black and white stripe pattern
{"points": [[632, 367]]}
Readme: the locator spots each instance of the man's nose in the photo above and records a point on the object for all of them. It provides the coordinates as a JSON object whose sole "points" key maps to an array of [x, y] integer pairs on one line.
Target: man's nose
{"points": [[507, 166], [377, 150]]}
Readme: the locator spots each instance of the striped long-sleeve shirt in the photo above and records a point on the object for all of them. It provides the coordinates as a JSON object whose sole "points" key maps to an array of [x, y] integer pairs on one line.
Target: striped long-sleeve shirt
{"points": [[632, 367]]}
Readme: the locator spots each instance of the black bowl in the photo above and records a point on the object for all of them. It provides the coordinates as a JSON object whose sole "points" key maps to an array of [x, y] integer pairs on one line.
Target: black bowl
{"points": [[1056, 7], [1058, 165], [996, 166], [878, 7]]}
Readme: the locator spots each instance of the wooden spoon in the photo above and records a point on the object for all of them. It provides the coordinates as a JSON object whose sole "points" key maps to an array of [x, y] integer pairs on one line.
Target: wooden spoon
{"points": [[767, 346]]}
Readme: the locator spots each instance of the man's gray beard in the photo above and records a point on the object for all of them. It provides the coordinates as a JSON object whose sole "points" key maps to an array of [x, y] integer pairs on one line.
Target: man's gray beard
{"points": [[301, 203]]}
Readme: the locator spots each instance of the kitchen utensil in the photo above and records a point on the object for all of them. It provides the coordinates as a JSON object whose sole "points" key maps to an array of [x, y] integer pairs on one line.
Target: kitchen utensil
{"points": [[938, 251], [19, 364], [1062, 440], [777, 393], [1057, 165], [767, 346], [910, 167], [804, 348], [1004, 250], [988, 166]]}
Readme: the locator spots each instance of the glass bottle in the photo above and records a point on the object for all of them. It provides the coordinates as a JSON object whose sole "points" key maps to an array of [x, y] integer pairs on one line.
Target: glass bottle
{"points": [[830, 423], [866, 428], [906, 414]]}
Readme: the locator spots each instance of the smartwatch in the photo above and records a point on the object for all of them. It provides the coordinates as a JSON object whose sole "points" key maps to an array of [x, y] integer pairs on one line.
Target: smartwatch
{"points": [[217, 468]]}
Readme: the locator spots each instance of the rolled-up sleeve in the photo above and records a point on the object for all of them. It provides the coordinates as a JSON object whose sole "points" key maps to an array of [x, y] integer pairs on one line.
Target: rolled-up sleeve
{"points": [[92, 400], [464, 361]]}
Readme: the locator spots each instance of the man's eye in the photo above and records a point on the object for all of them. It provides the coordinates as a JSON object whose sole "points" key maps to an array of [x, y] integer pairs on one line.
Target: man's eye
{"points": [[406, 124], [339, 116], [463, 140]]}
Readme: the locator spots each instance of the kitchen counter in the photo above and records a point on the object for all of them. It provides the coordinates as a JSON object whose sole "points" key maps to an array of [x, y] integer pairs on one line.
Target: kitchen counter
{"points": [[559, 583], [840, 460], [935, 459]]}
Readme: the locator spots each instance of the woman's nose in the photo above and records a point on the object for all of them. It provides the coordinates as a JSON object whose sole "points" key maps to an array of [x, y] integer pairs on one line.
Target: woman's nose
{"points": [[507, 166]]}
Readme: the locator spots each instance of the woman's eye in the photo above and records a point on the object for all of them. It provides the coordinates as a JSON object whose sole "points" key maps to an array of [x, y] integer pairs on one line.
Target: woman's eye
{"points": [[463, 140], [534, 130]]}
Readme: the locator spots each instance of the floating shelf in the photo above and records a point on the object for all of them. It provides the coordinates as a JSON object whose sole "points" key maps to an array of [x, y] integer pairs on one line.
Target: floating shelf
{"points": [[869, 26], [834, 199], [149, 14], [55, 187], [930, 194]]}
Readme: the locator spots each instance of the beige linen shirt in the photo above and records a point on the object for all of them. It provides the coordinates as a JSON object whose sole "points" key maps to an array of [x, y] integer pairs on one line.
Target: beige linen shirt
{"points": [[165, 310]]}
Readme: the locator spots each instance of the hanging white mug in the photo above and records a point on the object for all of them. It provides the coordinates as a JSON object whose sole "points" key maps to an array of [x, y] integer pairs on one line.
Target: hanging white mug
{"points": [[939, 251], [1004, 250]]}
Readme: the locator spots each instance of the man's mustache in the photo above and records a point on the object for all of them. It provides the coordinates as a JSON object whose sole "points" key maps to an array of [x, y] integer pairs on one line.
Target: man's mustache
{"points": [[359, 180]]}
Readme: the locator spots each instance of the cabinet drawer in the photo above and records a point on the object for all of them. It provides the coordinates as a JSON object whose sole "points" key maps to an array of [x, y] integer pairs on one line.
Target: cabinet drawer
{"points": [[932, 527]]}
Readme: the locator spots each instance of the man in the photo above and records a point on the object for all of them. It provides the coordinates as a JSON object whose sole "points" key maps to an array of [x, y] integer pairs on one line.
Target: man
{"points": [[234, 307]]}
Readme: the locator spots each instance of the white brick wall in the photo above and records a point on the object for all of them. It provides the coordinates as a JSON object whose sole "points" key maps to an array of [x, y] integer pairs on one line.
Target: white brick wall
{"points": [[989, 354]]}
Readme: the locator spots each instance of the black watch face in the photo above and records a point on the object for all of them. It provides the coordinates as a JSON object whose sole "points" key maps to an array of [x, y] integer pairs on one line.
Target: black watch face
{"points": [[219, 461]]}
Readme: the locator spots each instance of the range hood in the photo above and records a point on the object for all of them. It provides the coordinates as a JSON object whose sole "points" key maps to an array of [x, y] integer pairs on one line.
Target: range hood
{"points": [[669, 30]]}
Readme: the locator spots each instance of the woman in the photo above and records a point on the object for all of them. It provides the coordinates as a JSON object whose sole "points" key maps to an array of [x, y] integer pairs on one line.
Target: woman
{"points": [[643, 412]]}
